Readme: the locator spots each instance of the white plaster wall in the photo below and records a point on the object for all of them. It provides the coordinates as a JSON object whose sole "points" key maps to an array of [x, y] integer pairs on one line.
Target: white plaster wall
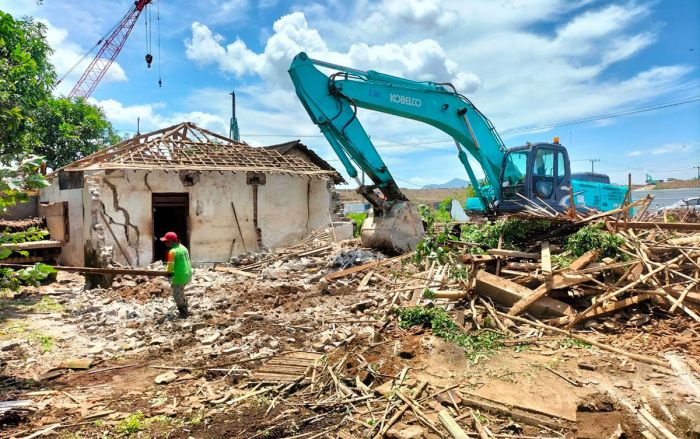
{"points": [[73, 251], [289, 207]]}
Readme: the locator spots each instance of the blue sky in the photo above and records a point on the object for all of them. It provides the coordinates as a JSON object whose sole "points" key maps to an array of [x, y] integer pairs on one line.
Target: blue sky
{"points": [[523, 63]]}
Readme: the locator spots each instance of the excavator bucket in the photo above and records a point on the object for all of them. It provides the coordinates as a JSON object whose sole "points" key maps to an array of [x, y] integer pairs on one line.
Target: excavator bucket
{"points": [[396, 230]]}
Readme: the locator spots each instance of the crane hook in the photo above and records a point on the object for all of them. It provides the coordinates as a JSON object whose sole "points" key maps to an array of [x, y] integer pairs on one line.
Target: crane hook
{"points": [[149, 60]]}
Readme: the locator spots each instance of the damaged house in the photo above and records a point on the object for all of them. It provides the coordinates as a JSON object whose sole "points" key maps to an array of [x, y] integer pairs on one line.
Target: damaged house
{"points": [[221, 197]]}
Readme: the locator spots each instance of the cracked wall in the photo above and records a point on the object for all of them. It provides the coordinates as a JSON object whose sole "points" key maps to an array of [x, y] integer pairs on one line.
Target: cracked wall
{"points": [[289, 207]]}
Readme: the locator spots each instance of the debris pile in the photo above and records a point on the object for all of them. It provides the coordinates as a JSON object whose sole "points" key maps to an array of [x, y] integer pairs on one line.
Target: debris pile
{"points": [[527, 327]]}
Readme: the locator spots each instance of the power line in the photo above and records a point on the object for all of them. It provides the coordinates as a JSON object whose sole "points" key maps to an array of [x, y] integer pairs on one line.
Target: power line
{"points": [[602, 116], [525, 129], [593, 161]]}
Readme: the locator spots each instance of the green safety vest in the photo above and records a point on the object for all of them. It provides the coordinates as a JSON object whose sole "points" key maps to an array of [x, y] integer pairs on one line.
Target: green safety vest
{"points": [[179, 265]]}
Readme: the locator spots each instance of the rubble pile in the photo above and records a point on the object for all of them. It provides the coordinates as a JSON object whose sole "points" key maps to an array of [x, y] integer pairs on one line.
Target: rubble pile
{"points": [[532, 327]]}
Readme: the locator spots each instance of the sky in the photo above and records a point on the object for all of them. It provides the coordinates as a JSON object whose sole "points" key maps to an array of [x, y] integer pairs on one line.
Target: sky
{"points": [[526, 64]]}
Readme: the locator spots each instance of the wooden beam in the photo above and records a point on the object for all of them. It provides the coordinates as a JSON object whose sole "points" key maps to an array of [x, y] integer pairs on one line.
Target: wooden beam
{"points": [[33, 245], [508, 293], [116, 241], [97, 270], [513, 254], [680, 227]]}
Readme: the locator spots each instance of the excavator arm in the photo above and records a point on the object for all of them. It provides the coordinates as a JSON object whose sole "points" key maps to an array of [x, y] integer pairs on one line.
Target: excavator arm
{"points": [[332, 103]]}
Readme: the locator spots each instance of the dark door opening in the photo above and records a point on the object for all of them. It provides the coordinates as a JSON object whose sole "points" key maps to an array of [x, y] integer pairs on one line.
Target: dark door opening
{"points": [[170, 214]]}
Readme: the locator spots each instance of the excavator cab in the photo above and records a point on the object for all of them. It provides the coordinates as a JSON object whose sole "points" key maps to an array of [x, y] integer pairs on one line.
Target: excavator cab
{"points": [[538, 172]]}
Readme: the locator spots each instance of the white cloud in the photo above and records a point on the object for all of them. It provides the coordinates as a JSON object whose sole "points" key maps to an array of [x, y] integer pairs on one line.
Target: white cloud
{"points": [[66, 54], [124, 117], [421, 60], [672, 148], [634, 153]]}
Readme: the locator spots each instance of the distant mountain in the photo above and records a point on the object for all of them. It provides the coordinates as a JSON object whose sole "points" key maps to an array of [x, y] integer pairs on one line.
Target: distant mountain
{"points": [[455, 183]]}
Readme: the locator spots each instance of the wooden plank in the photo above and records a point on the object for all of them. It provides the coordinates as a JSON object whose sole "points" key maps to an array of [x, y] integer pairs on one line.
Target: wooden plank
{"points": [[363, 267], [235, 271], [680, 227], [131, 271], [513, 254], [546, 259], [585, 259], [451, 425], [612, 307], [559, 281], [44, 243], [509, 293]]}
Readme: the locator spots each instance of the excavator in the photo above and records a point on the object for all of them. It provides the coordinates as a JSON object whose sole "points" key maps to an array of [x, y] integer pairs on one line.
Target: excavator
{"points": [[535, 173]]}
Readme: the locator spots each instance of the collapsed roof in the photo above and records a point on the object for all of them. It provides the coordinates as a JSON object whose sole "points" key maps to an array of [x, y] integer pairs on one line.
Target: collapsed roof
{"points": [[295, 146], [187, 146]]}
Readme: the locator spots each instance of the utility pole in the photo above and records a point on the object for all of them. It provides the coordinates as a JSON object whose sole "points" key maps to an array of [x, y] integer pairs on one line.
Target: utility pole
{"points": [[233, 129], [593, 163]]}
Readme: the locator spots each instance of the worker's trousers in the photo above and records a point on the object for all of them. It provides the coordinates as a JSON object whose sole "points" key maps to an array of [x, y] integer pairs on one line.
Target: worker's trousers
{"points": [[179, 297]]}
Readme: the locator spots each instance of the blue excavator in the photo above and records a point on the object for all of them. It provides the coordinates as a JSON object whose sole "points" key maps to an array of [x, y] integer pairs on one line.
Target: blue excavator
{"points": [[536, 173]]}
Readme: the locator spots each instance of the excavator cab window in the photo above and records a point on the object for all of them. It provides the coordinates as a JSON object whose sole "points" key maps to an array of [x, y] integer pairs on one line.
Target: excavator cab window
{"points": [[514, 173], [543, 172]]}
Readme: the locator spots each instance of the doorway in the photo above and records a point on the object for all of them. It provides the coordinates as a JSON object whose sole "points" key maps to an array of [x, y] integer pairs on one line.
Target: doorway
{"points": [[170, 214]]}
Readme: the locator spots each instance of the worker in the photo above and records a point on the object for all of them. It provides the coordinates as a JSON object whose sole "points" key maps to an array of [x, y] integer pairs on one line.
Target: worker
{"points": [[179, 270]]}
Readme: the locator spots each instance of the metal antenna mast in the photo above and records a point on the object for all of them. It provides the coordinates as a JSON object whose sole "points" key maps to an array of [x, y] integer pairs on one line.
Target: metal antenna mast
{"points": [[233, 129]]}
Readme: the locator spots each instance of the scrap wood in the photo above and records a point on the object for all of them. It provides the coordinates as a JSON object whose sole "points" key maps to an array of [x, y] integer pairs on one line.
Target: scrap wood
{"points": [[478, 427], [637, 357], [421, 387], [44, 431], [365, 281], [679, 227], [612, 307], [518, 414], [513, 254], [363, 267], [236, 271], [656, 423], [508, 293], [420, 415], [546, 258], [611, 212], [451, 425], [586, 313]]}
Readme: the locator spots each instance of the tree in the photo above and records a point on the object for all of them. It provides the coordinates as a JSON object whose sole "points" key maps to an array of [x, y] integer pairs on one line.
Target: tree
{"points": [[31, 119], [70, 129], [26, 81]]}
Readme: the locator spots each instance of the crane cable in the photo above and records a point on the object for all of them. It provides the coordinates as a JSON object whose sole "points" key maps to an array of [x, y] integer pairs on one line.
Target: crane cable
{"points": [[160, 81]]}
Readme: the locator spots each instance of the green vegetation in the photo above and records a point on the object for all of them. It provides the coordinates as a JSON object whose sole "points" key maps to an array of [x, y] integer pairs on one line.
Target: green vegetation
{"points": [[595, 237], [13, 279], [477, 346], [18, 330], [515, 232], [48, 304], [46, 342], [359, 219], [569, 343], [131, 424], [32, 120]]}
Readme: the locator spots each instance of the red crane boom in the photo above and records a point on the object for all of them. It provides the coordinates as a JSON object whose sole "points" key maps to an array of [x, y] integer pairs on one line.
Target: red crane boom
{"points": [[108, 52]]}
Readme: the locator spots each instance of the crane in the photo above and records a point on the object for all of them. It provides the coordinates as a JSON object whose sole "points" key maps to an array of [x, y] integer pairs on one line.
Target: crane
{"points": [[537, 172], [109, 47]]}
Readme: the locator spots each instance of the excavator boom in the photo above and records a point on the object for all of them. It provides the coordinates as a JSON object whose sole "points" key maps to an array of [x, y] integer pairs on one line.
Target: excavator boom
{"points": [[332, 102]]}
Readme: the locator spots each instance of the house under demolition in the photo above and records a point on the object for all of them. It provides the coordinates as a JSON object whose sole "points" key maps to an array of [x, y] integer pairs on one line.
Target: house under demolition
{"points": [[220, 196]]}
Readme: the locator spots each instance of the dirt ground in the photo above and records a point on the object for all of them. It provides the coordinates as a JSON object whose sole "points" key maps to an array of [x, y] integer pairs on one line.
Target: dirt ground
{"points": [[210, 376]]}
